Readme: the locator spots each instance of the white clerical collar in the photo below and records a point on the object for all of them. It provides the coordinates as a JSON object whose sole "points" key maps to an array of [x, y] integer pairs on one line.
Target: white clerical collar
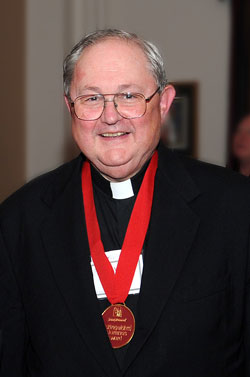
{"points": [[122, 190]]}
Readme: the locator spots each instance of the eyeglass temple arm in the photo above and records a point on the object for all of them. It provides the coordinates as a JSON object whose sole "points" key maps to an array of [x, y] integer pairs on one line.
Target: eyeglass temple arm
{"points": [[152, 95]]}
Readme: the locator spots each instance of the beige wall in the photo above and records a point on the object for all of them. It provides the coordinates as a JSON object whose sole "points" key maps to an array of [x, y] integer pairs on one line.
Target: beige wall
{"points": [[12, 136], [45, 32]]}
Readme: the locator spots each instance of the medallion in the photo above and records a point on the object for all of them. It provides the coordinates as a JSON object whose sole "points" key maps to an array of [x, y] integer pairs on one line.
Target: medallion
{"points": [[120, 324]]}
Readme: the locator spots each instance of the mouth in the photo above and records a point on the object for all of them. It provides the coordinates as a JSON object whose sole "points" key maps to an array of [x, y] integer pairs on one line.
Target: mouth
{"points": [[114, 134]]}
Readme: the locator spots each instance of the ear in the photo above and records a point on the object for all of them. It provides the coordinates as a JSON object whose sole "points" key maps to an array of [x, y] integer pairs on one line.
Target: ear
{"points": [[67, 103], [166, 99]]}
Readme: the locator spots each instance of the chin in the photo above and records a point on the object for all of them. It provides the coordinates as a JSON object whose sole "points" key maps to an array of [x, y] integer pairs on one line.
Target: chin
{"points": [[115, 156], [120, 164], [115, 159], [118, 172], [242, 155]]}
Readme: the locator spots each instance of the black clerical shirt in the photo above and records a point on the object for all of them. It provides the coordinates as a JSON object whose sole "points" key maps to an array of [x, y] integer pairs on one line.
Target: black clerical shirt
{"points": [[113, 217]]}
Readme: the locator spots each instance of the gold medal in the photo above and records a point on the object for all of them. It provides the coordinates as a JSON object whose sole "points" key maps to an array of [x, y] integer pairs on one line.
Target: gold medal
{"points": [[120, 324]]}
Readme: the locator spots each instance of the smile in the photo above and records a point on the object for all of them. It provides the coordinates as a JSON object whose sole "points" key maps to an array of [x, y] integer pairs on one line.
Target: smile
{"points": [[114, 134]]}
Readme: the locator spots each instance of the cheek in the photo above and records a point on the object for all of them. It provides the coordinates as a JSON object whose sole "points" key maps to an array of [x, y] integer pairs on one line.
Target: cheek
{"points": [[148, 127], [242, 139], [83, 134]]}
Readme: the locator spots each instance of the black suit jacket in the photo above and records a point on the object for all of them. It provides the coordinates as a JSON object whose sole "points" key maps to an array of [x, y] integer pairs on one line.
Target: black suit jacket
{"points": [[193, 311]]}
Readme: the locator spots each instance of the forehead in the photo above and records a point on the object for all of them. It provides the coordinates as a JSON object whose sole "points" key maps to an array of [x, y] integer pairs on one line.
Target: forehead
{"points": [[113, 62]]}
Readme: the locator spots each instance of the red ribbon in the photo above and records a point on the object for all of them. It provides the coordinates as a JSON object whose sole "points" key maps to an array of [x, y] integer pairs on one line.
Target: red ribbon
{"points": [[117, 285]]}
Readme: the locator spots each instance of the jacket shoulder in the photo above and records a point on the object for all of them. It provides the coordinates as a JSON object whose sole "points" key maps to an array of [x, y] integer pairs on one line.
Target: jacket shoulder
{"points": [[207, 175], [188, 174], [53, 181], [211, 183]]}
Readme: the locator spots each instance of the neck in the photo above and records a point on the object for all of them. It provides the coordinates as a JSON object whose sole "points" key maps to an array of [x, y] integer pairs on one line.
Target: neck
{"points": [[117, 180], [245, 168]]}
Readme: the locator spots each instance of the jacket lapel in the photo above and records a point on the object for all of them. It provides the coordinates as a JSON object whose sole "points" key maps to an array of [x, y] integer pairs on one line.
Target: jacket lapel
{"points": [[171, 232], [65, 241]]}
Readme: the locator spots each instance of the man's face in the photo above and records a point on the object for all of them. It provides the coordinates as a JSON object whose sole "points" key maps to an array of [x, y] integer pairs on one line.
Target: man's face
{"points": [[241, 141], [114, 66]]}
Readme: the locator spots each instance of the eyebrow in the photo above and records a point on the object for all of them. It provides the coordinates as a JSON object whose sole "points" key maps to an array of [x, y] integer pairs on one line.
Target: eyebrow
{"points": [[129, 86], [90, 88], [96, 89]]}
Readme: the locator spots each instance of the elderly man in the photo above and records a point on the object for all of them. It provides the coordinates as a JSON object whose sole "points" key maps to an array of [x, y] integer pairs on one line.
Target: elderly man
{"points": [[129, 260]]}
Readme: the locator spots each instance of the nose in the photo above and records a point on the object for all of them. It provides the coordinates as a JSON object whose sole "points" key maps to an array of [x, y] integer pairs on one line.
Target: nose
{"points": [[110, 114]]}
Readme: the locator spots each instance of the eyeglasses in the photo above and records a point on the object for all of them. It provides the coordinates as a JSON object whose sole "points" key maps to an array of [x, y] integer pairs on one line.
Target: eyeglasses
{"points": [[128, 105]]}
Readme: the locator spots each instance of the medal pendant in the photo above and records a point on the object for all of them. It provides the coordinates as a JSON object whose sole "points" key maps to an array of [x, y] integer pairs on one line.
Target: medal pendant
{"points": [[120, 324]]}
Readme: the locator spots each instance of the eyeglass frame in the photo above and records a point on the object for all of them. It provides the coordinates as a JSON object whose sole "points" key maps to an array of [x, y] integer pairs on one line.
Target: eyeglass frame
{"points": [[148, 99]]}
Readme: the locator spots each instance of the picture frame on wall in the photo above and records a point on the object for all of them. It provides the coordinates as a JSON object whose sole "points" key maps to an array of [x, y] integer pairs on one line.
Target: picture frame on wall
{"points": [[180, 131]]}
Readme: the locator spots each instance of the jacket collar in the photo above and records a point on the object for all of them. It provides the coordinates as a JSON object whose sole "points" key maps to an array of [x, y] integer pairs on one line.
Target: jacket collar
{"points": [[169, 165]]}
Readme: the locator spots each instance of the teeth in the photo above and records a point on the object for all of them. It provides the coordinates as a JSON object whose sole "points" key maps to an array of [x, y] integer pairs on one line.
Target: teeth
{"points": [[115, 134]]}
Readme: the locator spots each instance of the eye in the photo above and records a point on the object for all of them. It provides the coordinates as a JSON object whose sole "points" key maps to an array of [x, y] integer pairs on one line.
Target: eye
{"points": [[92, 99], [129, 96]]}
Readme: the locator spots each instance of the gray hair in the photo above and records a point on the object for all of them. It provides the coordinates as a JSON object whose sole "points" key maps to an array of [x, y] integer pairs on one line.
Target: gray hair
{"points": [[151, 52]]}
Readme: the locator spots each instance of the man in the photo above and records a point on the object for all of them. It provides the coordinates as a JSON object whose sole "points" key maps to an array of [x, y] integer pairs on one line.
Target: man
{"points": [[241, 146], [127, 261]]}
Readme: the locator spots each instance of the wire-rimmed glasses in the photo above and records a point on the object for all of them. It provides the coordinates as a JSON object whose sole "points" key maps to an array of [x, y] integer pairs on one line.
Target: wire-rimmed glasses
{"points": [[128, 105]]}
